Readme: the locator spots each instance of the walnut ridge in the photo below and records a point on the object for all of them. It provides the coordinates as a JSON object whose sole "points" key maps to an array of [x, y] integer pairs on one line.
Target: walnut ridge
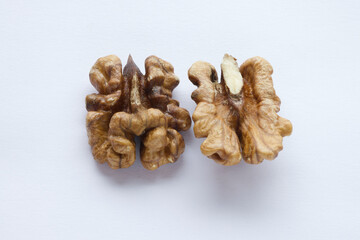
{"points": [[238, 115], [131, 104]]}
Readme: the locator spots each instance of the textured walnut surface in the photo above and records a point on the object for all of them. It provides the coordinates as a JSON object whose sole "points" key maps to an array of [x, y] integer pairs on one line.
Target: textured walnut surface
{"points": [[238, 115], [131, 104]]}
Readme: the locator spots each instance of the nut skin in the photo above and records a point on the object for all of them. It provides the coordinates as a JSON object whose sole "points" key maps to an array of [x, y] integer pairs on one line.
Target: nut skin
{"points": [[245, 125], [131, 104]]}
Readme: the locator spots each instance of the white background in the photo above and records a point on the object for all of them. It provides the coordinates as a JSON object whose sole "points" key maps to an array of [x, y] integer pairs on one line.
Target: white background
{"points": [[50, 186]]}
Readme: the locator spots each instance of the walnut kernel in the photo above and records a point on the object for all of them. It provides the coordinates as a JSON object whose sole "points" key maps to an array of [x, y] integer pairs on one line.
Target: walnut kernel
{"points": [[131, 104], [238, 116]]}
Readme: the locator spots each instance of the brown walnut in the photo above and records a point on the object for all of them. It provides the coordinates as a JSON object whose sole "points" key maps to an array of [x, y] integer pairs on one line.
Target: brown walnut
{"points": [[131, 104], [238, 116]]}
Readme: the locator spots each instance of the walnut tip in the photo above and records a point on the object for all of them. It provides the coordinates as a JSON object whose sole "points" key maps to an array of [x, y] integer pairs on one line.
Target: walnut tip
{"points": [[231, 74], [130, 59], [130, 67]]}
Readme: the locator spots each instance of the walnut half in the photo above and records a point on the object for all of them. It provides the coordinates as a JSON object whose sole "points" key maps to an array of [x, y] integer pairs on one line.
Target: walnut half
{"points": [[238, 116], [131, 104]]}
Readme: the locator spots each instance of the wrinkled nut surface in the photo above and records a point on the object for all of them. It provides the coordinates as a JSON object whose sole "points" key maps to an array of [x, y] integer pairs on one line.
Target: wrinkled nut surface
{"points": [[131, 104], [238, 116]]}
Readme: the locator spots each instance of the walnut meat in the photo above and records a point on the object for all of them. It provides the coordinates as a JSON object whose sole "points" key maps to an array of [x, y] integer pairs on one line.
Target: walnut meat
{"points": [[131, 104], [238, 116]]}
